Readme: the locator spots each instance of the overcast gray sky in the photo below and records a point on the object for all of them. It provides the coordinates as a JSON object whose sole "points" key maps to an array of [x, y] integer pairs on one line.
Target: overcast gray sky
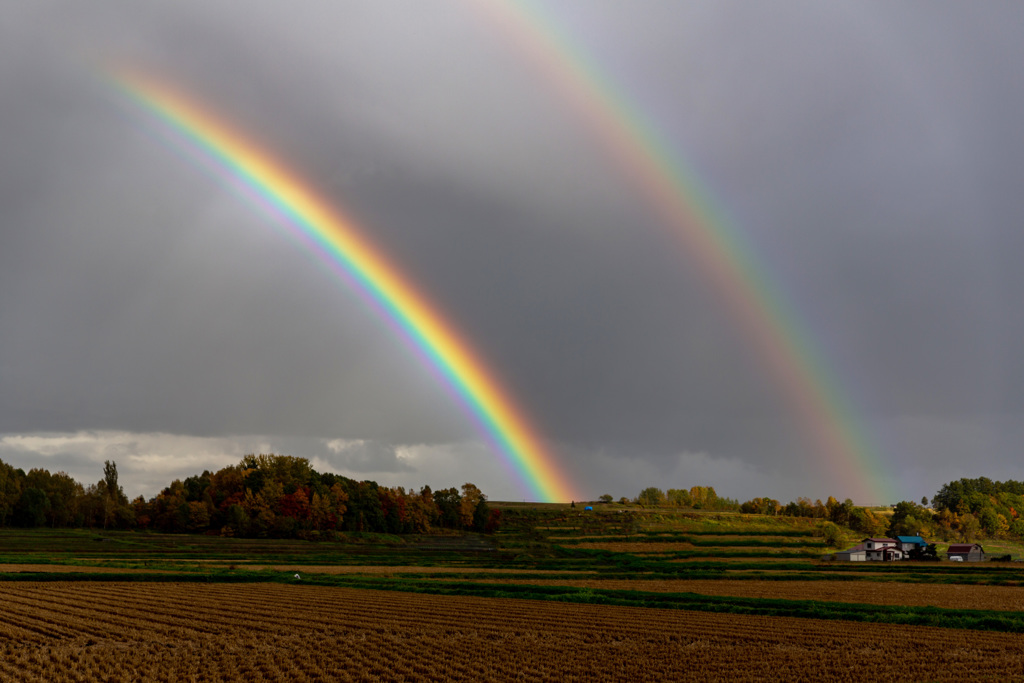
{"points": [[871, 156]]}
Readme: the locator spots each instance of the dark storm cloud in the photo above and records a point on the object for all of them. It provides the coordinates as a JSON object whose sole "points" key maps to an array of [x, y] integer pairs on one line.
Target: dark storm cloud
{"points": [[871, 155]]}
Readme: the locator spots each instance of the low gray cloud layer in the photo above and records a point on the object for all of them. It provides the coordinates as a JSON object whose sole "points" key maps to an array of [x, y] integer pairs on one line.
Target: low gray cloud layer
{"points": [[871, 156]]}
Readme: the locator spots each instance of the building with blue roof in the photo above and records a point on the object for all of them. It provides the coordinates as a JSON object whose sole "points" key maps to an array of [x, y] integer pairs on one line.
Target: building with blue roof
{"points": [[908, 543], [882, 549]]}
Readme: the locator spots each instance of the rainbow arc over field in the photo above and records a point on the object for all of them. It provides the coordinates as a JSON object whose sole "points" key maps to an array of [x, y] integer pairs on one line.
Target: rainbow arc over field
{"points": [[783, 341], [338, 239]]}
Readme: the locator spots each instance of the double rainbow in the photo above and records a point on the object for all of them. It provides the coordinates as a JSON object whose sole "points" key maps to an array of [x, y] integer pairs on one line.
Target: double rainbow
{"points": [[338, 239], [783, 341]]}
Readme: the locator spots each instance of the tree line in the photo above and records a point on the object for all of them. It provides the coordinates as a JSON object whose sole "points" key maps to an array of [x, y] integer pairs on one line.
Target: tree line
{"points": [[696, 497], [706, 498], [262, 496], [972, 507], [964, 510]]}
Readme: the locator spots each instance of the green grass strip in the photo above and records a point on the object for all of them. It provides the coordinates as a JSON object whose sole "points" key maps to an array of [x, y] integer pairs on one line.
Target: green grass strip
{"points": [[700, 542]]}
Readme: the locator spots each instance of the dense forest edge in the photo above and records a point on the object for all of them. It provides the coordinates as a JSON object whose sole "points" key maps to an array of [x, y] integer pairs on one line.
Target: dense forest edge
{"points": [[281, 496], [263, 496]]}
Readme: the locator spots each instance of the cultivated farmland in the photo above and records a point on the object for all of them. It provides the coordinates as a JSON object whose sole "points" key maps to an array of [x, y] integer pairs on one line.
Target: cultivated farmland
{"points": [[555, 596], [169, 632], [966, 597]]}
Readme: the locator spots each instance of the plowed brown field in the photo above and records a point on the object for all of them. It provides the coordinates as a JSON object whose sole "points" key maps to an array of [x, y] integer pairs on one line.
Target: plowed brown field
{"points": [[382, 570], [225, 632], [872, 593]]}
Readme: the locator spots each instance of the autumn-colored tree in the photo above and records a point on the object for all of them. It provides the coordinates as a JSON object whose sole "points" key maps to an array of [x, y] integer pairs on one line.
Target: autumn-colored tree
{"points": [[272, 492], [761, 506], [288, 471], [400, 516], [679, 498], [141, 510], [830, 505], [969, 528], [320, 512], [198, 516], [993, 523], [493, 522], [651, 497], [947, 523], [470, 499], [703, 497], [423, 511], [227, 486], [339, 504], [287, 498], [260, 513], [295, 505], [867, 522]]}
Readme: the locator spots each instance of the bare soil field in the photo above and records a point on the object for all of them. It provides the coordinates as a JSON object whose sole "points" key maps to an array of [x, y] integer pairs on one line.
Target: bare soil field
{"points": [[385, 570], [952, 596], [724, 557], [274, 632]]}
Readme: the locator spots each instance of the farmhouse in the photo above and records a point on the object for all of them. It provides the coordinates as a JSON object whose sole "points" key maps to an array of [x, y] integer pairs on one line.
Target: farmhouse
{"points": [[967, 552], [886, 553], [882, 549], [879, 543], [876, 550]]}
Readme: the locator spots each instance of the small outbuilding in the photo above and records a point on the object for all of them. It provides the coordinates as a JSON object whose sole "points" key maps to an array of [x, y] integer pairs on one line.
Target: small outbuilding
{"points": [[855, 554], [967, 552]]}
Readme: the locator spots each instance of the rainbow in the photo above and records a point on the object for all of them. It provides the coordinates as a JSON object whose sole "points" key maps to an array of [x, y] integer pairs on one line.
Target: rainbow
{"points": [[338, 239], [777, 335]]}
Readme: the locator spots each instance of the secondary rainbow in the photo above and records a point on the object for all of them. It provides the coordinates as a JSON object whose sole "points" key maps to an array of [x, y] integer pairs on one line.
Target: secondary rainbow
{"points": [[783, 341], [338, 238]]}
